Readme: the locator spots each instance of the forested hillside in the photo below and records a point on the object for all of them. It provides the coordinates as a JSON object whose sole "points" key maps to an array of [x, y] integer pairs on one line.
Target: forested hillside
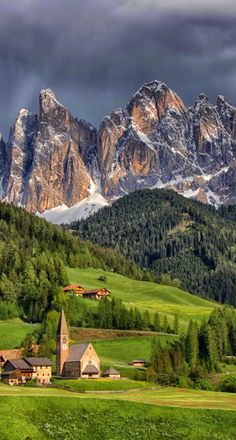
{"points": [[33, 255], [174, 237]]}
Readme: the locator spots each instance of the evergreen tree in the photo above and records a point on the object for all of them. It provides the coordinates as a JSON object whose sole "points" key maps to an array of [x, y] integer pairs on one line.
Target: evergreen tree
{"points": [[176, 324], [191, 345], [157, 322]]}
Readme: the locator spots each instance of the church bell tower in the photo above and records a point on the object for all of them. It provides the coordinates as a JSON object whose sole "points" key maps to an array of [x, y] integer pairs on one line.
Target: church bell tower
{"points": [[62, 341]]}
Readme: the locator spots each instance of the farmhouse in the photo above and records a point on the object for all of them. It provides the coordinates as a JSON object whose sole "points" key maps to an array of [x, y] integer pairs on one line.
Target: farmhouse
{"points": [[74, 288], [138, 363], [96, 294], [78, 360], [19, 371]]}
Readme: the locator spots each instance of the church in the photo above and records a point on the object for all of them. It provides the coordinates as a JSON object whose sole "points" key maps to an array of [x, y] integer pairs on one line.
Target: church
{"points": [[78, 361]]}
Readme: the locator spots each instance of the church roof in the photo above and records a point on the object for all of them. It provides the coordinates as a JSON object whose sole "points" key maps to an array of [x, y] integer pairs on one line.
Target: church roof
{"points": [[76, 352], [62, 328], [90, 369]]}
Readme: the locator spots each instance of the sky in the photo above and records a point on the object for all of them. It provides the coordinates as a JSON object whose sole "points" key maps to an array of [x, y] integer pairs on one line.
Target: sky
{"points": [[95, 54]]}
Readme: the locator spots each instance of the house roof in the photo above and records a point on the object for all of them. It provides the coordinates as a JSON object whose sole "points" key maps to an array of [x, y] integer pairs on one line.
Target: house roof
{"points": [[19, 364], [35, 362], [95, 291], [11, 354], [77, 351], [111, 371], [90, 369], [62, 328], [73, 287]]}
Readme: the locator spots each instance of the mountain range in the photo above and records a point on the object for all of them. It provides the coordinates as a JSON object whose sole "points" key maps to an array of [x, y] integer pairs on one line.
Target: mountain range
{"points": [[63, 168]]}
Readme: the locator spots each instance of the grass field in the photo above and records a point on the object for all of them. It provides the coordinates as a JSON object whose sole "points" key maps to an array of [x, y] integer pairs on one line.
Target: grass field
{"points": [[119, 352], [145, 295], [101, 385], [40, 414], [13, 331]]}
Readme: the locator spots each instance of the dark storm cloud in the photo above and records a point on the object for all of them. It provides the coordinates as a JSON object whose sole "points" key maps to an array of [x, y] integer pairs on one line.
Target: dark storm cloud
{"points": [[95, 54]]}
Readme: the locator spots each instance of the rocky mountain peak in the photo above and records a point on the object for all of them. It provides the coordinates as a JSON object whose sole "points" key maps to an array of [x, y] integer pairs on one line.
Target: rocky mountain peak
{"points": [[53, 159], [47, 100]]}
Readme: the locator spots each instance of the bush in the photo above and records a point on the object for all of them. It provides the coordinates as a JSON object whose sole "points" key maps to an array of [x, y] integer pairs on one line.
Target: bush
{"points": [[184, 382], [203, 384], [8, 310], [229, 384], [102, 278]]}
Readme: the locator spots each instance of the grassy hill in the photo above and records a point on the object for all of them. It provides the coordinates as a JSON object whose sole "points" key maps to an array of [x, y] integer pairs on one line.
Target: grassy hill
{"points": [[13, 331], [169, 234], [144, 295]]}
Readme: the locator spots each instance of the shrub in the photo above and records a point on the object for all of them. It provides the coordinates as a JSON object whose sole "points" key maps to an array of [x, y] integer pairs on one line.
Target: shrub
{"points": [[229, 384], [102, 278], [184, 382], [203, 384]]}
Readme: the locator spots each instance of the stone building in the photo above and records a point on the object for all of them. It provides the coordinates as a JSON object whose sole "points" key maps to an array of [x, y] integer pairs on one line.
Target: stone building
{"points": [[75, 361]]}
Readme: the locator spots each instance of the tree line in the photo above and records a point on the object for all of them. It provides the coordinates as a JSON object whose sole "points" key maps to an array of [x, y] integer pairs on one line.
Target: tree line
{"points": [[200, 351]]}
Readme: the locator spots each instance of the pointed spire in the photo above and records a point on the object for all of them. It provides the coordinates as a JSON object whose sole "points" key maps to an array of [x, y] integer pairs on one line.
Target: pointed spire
{"points": [[62, 328]]}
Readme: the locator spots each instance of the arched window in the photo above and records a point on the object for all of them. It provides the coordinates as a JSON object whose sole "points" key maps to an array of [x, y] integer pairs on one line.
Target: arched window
{"points": [[64, 340]]}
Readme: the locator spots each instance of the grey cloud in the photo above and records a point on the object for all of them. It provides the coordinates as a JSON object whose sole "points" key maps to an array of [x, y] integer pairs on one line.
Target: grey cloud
{"points": [[96, 54]]}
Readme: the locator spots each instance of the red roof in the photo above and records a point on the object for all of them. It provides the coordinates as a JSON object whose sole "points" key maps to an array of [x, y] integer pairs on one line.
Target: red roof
{"points": [[73, 287]]}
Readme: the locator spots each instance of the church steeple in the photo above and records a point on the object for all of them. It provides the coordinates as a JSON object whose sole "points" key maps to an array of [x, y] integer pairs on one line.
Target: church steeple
{"points": [[62, 349], [62, 328]]}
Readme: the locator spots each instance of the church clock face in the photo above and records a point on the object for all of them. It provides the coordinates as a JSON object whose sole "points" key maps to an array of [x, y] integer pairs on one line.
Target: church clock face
{"points": [[64, 343]]}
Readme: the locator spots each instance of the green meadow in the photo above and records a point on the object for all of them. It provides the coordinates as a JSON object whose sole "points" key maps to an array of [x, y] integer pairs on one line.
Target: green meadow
{"points": [[13, 331], [119, 352], [40, 414], [144, 295]]}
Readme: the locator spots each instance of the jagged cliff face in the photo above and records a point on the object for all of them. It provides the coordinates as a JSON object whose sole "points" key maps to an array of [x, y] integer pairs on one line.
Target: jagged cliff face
{"points": [[52, 158], [47, 157], [158, 142]]}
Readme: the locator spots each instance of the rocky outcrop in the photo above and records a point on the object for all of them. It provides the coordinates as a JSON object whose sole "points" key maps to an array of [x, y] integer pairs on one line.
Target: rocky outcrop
{"points": [[52, 158], [161, 143], [47, 157]]}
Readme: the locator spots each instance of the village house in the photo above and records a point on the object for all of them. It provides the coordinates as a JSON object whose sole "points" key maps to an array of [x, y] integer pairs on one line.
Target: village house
{"points": [[75, 361], [112, 373], [138, 363], [19, 371], [75, 288], [96, 294]]}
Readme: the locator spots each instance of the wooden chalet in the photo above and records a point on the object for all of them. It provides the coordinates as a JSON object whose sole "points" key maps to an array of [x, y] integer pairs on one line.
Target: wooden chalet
{"points": [[138, 363], [75, 288], [75, 361], [19, 371], [96, 294]]}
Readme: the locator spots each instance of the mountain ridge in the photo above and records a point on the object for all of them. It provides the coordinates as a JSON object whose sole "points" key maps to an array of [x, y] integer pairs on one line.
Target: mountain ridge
{"points": [[54, 160]]}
